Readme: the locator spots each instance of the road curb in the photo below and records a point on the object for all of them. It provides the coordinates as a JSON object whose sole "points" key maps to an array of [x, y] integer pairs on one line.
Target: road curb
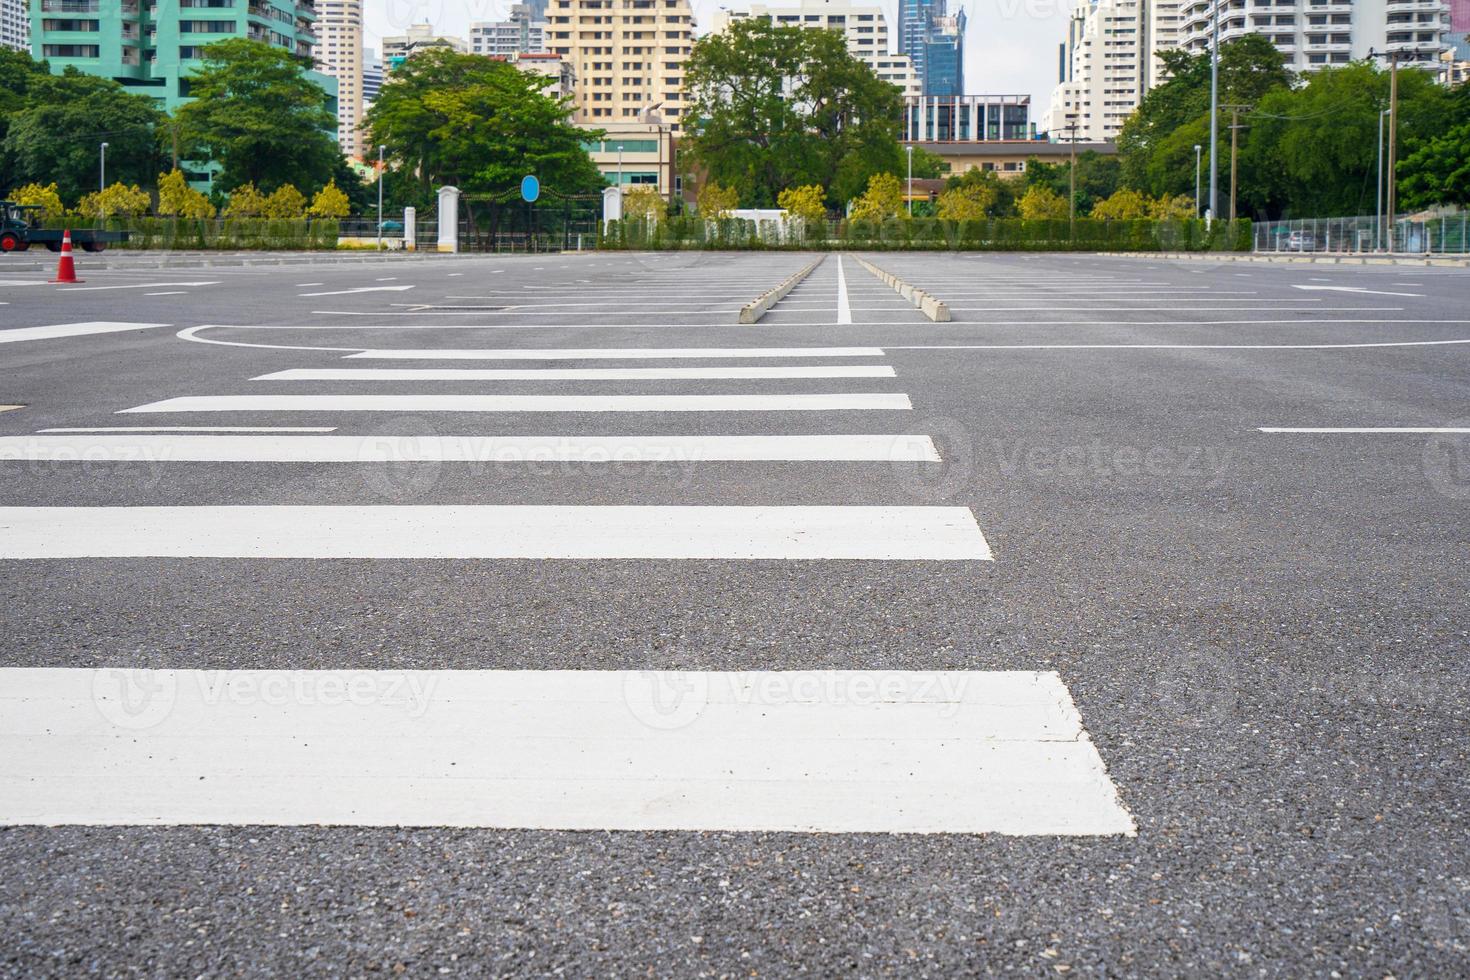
{"points": [[1275, 258], [758, 307], [927, 303]]}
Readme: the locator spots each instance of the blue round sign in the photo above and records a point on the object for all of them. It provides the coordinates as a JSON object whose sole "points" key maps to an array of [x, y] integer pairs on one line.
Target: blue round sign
{"points": [[530, 188]]}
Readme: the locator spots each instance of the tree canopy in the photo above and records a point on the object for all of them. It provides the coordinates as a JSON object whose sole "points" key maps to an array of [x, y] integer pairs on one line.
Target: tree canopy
{"points": [[480, 125], [255, 112], [776, 107]]}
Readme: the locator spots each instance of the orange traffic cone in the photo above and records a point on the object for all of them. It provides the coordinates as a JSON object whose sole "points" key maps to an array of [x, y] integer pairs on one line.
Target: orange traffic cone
{"points": [[66, 270]]}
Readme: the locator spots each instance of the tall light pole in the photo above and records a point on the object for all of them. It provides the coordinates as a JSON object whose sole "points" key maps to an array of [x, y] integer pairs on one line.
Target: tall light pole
{"points": [[620, 173], [380, 197], [910, 149], [1378, 213], [1214, 116], [1197, 149], [1393, 129], [102, 168]]}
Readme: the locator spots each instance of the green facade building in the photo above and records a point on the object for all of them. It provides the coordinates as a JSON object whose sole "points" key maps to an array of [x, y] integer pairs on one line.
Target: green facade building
{"points": [[152, 46]]}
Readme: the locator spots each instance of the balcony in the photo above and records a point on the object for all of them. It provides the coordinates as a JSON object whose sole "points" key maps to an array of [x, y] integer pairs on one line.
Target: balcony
{"points": [[69, 6]]}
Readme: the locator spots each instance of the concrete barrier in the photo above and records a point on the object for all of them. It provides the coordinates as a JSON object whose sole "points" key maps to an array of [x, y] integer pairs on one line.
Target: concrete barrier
{"points": [[757, 308], [928, 304]]}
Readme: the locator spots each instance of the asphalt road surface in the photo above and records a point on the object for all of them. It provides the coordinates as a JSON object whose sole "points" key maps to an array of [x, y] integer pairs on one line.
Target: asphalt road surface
{"points": [[527, 615]]}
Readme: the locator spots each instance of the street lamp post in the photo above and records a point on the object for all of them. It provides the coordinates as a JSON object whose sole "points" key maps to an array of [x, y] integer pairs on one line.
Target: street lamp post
{"points": [[1378, 213], [102, 168], [620, 173], [380, 197], [1389, 184], [1197, 149], [910, 149]]}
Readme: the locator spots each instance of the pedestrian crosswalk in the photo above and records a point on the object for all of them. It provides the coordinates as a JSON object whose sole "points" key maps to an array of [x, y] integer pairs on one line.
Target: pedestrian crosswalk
{"points": [[832, 751]]}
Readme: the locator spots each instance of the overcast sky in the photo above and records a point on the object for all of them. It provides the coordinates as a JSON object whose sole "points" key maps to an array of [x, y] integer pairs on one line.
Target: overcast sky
{"points": [[1011, 47]]}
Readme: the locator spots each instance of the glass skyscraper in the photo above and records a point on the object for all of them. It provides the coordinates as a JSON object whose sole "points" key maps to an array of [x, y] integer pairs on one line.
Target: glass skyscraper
{"points": [[935, 43]]}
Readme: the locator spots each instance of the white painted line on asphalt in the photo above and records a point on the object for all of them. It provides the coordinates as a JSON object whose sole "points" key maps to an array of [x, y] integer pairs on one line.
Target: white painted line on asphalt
{"points": [[844, 308], [580, 374], [385, 279], [1367, 430], [360, 289], [1392, 343], [139, 285], [179, 292], [481, 449], [840, 751], [304, 284], [1356, 289], [461, 531], [199, 428], [530, 403], [18, 334], [612, 353]]}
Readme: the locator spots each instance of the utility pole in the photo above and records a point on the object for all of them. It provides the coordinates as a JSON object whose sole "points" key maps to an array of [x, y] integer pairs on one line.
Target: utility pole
{"points": [[102, 169], [1072, 177], [380, 197], [1393, 128], [1214, 116], [1197, 209], [1235, 128]]}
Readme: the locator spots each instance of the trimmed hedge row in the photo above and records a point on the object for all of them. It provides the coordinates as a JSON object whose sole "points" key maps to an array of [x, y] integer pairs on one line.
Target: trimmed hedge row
{"points": [[217, 233], [990, 234]]}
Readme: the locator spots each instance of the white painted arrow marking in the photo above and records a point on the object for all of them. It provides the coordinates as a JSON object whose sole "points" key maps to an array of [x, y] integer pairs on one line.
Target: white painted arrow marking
{"points": [[361, 289], [1357, 289]]}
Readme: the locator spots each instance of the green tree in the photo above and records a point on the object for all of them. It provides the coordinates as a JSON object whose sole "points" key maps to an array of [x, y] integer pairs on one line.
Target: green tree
{"points": [[775, 107], [1097, 177], [1002, 189], [480, 125], [177, 199], [256, 113], [1156, 145], [1041, 201], [883, 198], [19, 72], [646, 203], [330, 202], [56, 137]]}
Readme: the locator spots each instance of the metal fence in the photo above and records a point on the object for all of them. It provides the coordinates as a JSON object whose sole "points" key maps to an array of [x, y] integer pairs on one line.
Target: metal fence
{"points": [[1443, 235]]}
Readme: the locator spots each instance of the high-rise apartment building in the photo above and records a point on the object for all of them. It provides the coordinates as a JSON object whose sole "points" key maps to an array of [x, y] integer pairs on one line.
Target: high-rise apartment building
{"points": [[502, 38], [152, 48], [15, 25], [340, 55], [934, 40], [1321, 33], [628, 57], [1106, 69], [864, 27]]}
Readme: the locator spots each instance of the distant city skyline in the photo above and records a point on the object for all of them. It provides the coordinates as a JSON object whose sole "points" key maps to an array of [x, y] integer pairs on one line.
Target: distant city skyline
{"points": [[1010, 45]]}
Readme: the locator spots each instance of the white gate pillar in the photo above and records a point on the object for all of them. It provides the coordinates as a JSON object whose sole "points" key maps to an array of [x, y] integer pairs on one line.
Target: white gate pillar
{"points": [[410, 229], [449, 219]]}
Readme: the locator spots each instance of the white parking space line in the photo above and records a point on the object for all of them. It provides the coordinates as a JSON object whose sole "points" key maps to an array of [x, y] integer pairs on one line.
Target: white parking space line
{"points": [[1368, 430], [844, 308], [533, 532], [580, 374], [174, 293], [1393, 343], [199, 428], [486, 449], [137, 285], [972, 752], [359, 289], [530, 403], [304, 284], [614, 353], [56, 330]]}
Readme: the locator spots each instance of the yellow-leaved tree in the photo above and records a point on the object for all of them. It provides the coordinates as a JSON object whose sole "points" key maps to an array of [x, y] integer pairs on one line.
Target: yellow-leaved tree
{"points": [[176, 199], [1122, 205], [117, 201], [1041, 202], [882, 199], [285, 202], [245, 202], [46, 198], [329, 202], [809, 203], [968, 202], [644, 202], [1175, 207], [715, 201]]}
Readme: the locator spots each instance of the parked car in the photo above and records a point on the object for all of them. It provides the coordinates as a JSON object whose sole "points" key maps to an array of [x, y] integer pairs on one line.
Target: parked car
{"points": [[1301, 241]]}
